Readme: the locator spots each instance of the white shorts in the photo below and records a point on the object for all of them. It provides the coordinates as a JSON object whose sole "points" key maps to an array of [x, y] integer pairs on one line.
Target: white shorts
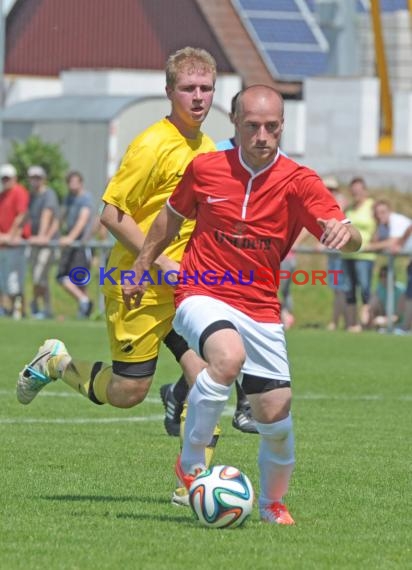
{"points": [[264, 343]]}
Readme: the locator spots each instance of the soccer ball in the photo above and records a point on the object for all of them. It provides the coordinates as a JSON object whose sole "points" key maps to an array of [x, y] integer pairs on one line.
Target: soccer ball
{"points": [[221, 497]]}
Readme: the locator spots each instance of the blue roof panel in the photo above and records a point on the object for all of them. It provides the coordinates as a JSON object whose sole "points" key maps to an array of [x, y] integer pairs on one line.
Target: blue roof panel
{"points": [[360, 6], [285, 31], [393, 5], [270, 5], [298, 64], [385, 5], [287, 35]]}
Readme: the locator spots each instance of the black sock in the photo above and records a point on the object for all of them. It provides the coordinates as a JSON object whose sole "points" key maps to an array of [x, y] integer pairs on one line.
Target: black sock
{"points": [[181, 390], [240, 395]]}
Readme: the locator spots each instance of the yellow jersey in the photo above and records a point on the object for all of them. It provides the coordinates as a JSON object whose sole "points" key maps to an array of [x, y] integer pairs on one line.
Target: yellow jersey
{"points": [[149, 172], [362, 218]]}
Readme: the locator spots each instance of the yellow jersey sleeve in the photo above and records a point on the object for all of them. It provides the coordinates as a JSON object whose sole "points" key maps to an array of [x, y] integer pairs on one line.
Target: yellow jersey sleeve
{"points": [[149, 172], [134, 180]]}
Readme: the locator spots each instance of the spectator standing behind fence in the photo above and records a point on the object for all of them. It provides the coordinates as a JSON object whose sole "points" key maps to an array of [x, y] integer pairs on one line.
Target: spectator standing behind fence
{"points": [[403, 243], [358, 267], [390, 226], [14, 202], [336, 281], [76, 222], [44, 219]]}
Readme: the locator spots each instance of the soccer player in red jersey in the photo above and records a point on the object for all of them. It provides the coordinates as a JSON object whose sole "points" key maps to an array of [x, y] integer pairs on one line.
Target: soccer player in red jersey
{"points": [[249, 204]]}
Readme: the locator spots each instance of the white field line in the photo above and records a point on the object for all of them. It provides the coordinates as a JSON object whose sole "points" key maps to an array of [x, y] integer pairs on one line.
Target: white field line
{"points": [[51, 394], [134, 419], [155, 418], [115, 420], [365, 397], [308, 396]]}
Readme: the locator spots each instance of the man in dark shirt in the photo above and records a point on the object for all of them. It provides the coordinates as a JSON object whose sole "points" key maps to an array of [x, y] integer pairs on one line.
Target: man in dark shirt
{"points": [[44, 219], [76, 220]]}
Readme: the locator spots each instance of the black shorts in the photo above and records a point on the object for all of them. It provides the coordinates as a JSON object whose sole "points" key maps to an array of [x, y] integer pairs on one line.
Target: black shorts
{"points": [[73, 257]]}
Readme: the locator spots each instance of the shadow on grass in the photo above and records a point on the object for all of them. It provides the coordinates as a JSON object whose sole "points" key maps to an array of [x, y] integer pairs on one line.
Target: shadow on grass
{"points": [[187, 520], [104, 499]]}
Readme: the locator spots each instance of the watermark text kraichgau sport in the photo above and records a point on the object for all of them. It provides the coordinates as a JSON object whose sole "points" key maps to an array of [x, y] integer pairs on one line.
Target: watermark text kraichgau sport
{"points": [[81, 276]]}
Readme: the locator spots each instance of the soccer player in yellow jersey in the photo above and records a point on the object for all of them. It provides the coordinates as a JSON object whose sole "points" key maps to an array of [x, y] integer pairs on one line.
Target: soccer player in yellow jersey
{"points": [[149, 172]]}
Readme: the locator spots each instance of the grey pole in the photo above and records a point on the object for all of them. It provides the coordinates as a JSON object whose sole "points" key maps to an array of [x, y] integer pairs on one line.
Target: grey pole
{"points": [[2, 89], [338, 20], [390, 293]]}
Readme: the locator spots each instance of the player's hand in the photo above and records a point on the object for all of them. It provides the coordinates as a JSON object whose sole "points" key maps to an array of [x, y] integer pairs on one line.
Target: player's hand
{"points": [[335, 234], [133, 291]]}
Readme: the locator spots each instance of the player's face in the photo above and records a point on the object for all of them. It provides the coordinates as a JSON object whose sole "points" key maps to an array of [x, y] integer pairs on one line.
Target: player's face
{"points": [[191, 99], [260, 124]]}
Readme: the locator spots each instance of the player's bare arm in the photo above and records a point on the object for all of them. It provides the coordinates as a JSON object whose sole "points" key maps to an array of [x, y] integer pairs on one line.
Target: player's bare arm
{"points": [[125, 230], [164, 228], [338, 235], [123, 227]]}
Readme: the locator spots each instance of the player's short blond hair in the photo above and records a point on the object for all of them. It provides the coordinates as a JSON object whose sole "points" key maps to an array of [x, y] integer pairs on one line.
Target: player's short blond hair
{"points": [[189, 58]]}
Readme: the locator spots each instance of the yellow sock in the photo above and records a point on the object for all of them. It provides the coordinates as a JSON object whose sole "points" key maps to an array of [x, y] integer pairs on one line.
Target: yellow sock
{"points": [[89, 379], [210, 449]]}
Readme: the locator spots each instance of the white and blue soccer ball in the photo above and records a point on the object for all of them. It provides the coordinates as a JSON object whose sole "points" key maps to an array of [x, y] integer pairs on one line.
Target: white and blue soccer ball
{"points": [[221, 497]]}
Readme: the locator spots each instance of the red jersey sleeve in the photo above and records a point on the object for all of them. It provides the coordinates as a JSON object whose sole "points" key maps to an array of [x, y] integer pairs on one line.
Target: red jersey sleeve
{"points": [[313, 200], [183, 198], [22, 205], [22, 202]]}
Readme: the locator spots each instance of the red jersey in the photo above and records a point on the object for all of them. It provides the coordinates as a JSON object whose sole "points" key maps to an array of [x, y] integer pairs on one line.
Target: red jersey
{"points": [[13, 202], [246, 223]]}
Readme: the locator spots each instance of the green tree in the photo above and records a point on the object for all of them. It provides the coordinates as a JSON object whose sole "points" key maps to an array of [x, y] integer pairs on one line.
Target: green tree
{"points": [[35, 151]]}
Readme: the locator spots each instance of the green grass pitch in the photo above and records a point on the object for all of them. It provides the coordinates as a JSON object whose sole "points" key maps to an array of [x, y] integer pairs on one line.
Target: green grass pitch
{"points": [[88, 487]]}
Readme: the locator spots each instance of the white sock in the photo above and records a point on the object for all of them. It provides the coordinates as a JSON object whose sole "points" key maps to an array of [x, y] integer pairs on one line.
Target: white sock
{"points": [[206, 401], [276, 459]]}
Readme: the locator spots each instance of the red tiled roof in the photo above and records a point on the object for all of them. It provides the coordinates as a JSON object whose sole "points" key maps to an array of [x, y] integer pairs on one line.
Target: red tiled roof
{"points": [[44, 37]]}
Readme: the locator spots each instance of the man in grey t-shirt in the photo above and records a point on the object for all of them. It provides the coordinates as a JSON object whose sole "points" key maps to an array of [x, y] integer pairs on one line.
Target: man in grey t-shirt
{"points": [[44, 219], [77, 221]]}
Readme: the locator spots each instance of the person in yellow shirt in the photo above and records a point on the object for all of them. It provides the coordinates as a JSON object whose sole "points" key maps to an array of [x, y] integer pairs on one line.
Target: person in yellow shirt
{"points": [[149, 172], [358, 267], [151, 168]]}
